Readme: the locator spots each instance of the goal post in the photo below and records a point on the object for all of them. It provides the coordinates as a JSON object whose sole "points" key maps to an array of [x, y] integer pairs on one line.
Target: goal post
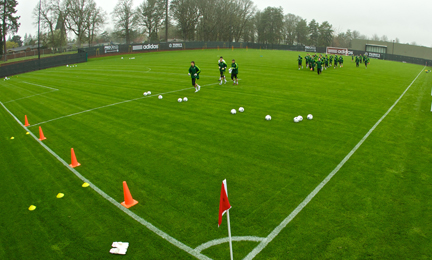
{"points": [[337, 51]]}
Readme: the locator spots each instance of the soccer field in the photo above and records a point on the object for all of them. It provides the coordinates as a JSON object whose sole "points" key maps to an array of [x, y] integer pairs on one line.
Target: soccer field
{"points": [[174, 157]]}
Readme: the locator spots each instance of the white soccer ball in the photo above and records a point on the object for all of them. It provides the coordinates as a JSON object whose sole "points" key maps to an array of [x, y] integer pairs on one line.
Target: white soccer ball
{"points": [[241, 109], [145, 93], [121, 57], [296, 120], [268, 117], [310, 116], [185, 99], [160, 96], [149, 92], [300, 118], [233, 111], [67, 65], [179, 100]]}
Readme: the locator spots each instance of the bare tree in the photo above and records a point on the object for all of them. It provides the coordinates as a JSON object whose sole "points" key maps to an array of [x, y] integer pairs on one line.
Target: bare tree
{"points": [[384, 38], [124, 17], [290, 22], [375, 37], [78, 13], [186, 15], [49, 15], [151, 14], [95, 21]]}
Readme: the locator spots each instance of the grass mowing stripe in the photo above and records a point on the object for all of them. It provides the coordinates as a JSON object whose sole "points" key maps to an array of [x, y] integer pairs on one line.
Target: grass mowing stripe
{"points": [[118, 103], [306, 201], [157, 231]]}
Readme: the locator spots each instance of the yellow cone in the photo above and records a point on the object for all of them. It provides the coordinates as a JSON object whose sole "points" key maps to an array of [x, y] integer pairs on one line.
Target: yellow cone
{"points": [[60, 195], [12, 138], [85, 185], [32, 207], [27, 133]]}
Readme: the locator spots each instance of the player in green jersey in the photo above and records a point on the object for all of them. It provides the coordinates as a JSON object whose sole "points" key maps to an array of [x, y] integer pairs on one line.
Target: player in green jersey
{"points": [[222, 68], [341, 61], [312, 64], [366, 60], [326, 62], [331, 60], [300, 62], [194, 72], [335, 61], [234, 72], [319, 66], [357, 60]]}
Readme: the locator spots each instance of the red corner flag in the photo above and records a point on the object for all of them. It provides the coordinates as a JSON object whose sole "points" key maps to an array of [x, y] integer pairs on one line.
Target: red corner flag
{"points": [[224, 204]]}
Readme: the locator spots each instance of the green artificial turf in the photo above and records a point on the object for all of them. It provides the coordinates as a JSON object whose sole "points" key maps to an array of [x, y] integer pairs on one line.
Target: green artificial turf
{"points": [[175, 155]]}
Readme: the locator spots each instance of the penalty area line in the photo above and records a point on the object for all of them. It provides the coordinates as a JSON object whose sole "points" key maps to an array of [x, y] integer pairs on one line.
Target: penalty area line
{"points": [[306, 201], [142, 221]]}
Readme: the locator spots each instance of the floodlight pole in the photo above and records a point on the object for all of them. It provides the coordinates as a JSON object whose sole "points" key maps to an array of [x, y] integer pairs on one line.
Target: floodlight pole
{"points": [[39, 32], [166, 22], [393, 47]]}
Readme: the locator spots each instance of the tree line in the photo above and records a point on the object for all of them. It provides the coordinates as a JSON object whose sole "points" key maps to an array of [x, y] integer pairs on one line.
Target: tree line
{"points": [[188, 20]]}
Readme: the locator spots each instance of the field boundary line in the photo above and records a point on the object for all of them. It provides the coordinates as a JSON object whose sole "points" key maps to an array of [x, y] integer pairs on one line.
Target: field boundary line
{"points": [[42, 86], [142, 221], [117, 103], [306, 201], [219, 241]]}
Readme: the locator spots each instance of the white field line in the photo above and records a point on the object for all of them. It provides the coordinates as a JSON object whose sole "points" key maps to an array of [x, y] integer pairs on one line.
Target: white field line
{"points": [[142, 221], [118, 103], [303, 204], [42, 86], [43, 93], [215, 242], [29, 96]]}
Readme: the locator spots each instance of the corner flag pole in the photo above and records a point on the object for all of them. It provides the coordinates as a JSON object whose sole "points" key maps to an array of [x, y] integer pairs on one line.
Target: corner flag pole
{"points": [[229, 226], [229, 234]]}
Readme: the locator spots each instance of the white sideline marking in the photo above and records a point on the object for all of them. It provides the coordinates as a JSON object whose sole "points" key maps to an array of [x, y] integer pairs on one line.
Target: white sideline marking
{"points": [[226, 240], [38, 85], [142, 221], [113, 104], [303, 204]]}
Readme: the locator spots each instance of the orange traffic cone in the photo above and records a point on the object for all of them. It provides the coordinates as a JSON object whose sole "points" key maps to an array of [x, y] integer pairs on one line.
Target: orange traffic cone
{"points": [[129, 201], [41, 135], [26, 121], [75, 163]]}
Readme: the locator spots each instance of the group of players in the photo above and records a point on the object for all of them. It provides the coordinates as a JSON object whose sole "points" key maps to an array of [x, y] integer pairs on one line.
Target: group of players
{"points": [[323, 62], [194, 72]]}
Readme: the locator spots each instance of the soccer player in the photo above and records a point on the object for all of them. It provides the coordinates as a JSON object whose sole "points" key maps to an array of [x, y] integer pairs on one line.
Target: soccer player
{"points": [[326, 62], [307, 60], [222, 68], [312, 64], [335, 61], [234, 72], [341, 60], [319, 66], [331, 59], [300, 62], [357, 60], [366, 60], [194, 72]]}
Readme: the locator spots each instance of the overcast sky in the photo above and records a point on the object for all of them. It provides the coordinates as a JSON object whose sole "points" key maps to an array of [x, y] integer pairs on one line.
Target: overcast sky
{"points": [[406, 20]]}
